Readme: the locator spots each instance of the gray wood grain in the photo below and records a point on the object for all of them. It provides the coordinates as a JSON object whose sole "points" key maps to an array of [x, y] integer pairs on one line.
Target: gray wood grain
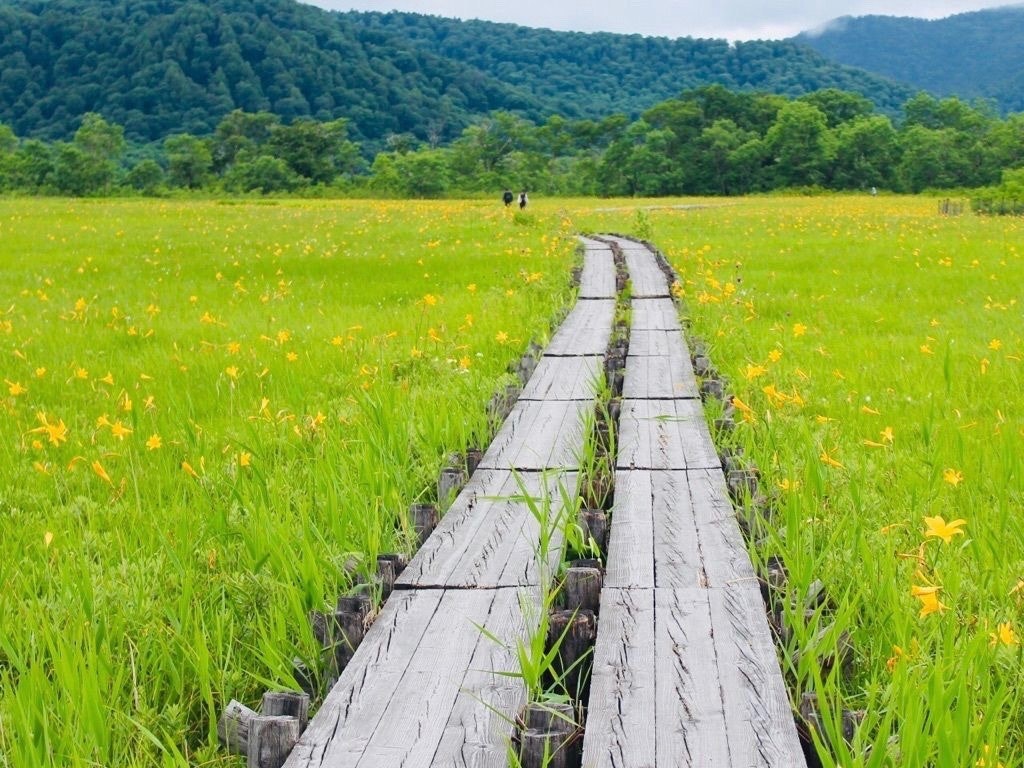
{"points": [[643, 343], [723, 550], [660, 377], [419, 710], [585, 331], [539, 435], [621, 724], [664, 434], [597, 280], [690, 711], [654, 315], [479, 728], [758, 714], [645, 275], [565, 378], [493, 540], [352, 711]]}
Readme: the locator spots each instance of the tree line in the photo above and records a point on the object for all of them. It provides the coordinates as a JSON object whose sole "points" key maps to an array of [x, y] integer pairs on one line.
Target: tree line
{"points": [[708, 141]]}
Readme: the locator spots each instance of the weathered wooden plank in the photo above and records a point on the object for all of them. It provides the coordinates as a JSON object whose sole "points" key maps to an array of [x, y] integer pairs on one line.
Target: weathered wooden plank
{"points": [[479, 729], [493, 538], [586, 330], [621, 714], [664, 434], [630, 561], [691, 728], [654, 315], [645, 276], [597, 280], [565, 378], [352, 711], [420, 709], [653, 343], [723, 550], [539, 435], [758, 714], [660, 377]]}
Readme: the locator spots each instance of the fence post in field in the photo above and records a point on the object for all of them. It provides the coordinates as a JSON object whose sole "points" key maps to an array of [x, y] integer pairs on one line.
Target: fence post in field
{"points": [[425, 518], [287, 703]]}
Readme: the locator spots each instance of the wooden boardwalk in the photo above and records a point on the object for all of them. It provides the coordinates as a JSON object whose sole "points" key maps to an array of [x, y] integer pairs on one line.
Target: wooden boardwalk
{"points": [[685, 670], [425, 687], [685, 673]]}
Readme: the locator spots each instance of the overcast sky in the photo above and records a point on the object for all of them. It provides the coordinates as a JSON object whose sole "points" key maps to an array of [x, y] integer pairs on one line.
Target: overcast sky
{"points": [[729, 19]]}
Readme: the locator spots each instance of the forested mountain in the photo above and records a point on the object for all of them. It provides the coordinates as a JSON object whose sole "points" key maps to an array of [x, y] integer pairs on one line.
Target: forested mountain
{"points": [[161, 67], [970, 55], [596, 74]]}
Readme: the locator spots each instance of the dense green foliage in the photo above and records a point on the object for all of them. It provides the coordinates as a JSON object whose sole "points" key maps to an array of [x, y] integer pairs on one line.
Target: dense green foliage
{"points": [[161, 67], [596, 74], [971, 55], [708, 141]]}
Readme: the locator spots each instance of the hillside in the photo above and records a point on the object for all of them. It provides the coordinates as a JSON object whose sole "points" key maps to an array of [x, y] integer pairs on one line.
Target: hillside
{"points": [[596, 74], [969, 55], [160, 67]]}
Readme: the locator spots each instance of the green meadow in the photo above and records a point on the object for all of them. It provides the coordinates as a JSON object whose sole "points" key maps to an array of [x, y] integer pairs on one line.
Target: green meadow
{"points": [[209, 409]]}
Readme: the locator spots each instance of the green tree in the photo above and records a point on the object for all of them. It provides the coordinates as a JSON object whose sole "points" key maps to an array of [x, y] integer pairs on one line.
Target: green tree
{"points": [[867, 151], [931, 158], [263, 173], [189, 160], [800, 145], [316, 151], [146, 176]]}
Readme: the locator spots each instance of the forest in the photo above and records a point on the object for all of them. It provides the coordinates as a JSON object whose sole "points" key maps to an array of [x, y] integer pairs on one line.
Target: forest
{"points": [[707, 141], [162, 67]]}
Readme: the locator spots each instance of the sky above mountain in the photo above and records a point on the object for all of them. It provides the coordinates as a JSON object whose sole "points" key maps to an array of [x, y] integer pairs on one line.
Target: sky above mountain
{"points": [[728, 19]]}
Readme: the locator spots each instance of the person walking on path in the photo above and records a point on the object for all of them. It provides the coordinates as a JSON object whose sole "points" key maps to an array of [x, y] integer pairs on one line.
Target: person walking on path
{"points": [[507, 197], [522, 200]]}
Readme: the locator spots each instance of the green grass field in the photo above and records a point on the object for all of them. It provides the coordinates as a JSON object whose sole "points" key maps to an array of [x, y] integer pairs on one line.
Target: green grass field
{"points": [[208, 408]]}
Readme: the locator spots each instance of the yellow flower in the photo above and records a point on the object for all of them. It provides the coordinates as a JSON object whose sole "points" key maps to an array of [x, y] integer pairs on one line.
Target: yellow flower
{"points": [[81, 373], [464, 362], [15, 388], [745, 410], [753, 371], [40, 372], [429, 300], [929, 597], [232, 371], [292, 357], [47, 539], [56, 433], [887, 435], [995, 345], [501, 337], [983, 761], [775, 355], [940, 529], [1004, 635], [108, 379], [799, 329], [119, 430], [188, 469], [829, 460], [244, 459], [154, 442], [471, 287], [101, 472], [953, 477], [283, 336]]}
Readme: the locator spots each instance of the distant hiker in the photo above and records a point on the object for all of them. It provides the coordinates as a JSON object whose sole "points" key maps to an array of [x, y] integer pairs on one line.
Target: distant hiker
{"points": [[507, 197], [522, 200], [874, 192]]}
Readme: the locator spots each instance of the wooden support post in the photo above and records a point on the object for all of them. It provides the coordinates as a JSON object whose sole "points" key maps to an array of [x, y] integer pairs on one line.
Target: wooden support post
{"points": [[473, 458], [574, 632], [304, 677], [712, 388], [389, 568], [550, 738], [449, 483], [702, 366], [742, 484], [594, 524], [349, 627], [425, 518], [234, 726], [581, 588], [271, 740], [287, 703]]}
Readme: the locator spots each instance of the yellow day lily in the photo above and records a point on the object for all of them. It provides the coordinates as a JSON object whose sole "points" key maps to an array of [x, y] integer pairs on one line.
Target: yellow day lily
{"points": [[929, 597], [938, 528]]}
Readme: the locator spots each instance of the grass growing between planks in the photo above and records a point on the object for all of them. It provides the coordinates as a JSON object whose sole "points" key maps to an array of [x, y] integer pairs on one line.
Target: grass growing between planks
{"points": [[207, 409], [877, 349]]}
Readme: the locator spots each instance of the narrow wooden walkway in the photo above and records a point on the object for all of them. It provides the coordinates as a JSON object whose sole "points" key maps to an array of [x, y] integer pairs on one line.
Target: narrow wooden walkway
{"points": [[425, 687], [685, 671]]}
